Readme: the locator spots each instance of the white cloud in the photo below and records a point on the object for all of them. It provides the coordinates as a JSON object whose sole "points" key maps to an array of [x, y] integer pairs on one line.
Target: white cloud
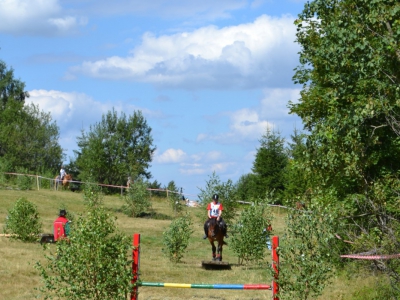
{"points": [[36, 17], [249, 124], [256, 54], [74, 112], [170, 156]]}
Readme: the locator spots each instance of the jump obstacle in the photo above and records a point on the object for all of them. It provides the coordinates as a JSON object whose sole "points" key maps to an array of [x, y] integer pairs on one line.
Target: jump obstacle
{"points": [[136, 263]]}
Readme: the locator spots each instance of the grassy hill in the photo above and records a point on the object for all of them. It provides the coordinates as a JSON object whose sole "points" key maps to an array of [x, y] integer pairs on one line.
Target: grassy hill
{"points": [[18, 278]]}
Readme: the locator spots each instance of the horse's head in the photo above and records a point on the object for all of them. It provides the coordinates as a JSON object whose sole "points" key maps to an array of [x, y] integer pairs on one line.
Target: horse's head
{"points": [[213, 227]]}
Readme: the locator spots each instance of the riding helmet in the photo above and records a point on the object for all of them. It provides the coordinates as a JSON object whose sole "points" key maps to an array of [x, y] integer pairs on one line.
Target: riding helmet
{"points": [[63, 213], [215, 197]]}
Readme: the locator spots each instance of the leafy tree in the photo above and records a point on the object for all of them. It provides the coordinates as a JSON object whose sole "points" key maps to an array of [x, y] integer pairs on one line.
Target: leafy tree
{"points": [[23, 221], [156, 186], [115, 148], [245, 186], [10, 88], [174, 197], [227, 196], [137, 200], [296, 183], [93, 263], [28, 137], [269, 165], [308, 253], [349, 69], [176, 238], [249, 234]]}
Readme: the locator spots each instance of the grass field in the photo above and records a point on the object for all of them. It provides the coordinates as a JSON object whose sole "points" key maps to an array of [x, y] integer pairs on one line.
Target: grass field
{"points": [[18, 278]]}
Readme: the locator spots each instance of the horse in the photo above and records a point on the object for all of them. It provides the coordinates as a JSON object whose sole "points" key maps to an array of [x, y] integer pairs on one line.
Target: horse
{"points": [[215, 233], [65, 182]]}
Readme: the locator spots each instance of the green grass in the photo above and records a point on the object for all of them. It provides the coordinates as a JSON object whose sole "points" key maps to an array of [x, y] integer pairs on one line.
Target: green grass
{"points": [[18, 278]]}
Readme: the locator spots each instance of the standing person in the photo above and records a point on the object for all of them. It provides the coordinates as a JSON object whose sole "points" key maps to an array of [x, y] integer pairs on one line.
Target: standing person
{"points": [[129, 182], [62, 173], [61, 226], [215, 209]]}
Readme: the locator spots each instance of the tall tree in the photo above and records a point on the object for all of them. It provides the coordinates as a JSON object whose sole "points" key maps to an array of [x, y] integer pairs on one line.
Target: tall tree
{"points": [[269, 165], [350, 72], [10, 88], [115, 148], [28, 136], [296, 183]]}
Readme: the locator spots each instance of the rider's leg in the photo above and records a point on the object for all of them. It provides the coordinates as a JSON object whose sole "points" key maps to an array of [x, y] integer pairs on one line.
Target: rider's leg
{"points": [[205, 230], [224, 228]]}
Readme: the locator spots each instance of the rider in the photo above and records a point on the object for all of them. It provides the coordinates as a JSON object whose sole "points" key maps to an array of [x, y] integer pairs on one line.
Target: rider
{"points": [[62, 173], [215, 211]]}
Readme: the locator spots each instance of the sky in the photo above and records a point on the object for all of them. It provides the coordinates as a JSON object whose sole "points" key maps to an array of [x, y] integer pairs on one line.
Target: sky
{"points": [[209, 76]]}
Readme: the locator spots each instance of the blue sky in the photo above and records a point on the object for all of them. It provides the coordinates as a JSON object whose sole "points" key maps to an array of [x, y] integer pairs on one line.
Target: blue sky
{"points": [[209, 76]]}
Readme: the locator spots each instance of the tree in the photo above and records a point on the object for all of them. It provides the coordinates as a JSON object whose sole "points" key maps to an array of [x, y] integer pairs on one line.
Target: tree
{"points": [[296, 183], [269, 165], [245, 186], [93, 263], [10, 88], [28, 136], [176, 238], [349, 69], [249, 234], [23, 221], [137, 200], [116, 148], [174, 197]]}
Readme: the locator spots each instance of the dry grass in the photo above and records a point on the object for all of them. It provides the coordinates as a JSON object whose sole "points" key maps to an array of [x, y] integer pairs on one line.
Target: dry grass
{"points": [[18, 278]]}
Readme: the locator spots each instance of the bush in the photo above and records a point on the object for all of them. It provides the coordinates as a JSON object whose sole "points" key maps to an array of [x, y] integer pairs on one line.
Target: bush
{"points": [[24, 182], [137, 200], [23, 221], [93, 263], [176, 238], [249, 235]]}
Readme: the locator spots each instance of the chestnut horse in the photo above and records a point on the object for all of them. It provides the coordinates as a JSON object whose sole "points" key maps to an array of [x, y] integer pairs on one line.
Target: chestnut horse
{"points": [[65, 182], [215, 233]]}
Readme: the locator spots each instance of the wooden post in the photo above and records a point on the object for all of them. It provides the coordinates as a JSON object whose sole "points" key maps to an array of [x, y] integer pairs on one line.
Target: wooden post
{"points": [[275, 266], [37, 181], [135, 265]]}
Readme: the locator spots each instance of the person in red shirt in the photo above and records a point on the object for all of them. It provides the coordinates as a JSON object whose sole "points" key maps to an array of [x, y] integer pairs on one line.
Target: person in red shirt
{"points": [[215, 209], [61, 226]]}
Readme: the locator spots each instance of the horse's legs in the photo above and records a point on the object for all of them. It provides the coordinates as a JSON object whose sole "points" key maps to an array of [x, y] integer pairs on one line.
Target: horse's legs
{"points": [[214, 249], [219, 252]]}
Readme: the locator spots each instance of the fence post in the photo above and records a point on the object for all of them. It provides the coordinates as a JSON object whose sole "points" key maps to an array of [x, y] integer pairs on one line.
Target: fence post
{"points": [[135, 265], [275, 266], [37, 181]]}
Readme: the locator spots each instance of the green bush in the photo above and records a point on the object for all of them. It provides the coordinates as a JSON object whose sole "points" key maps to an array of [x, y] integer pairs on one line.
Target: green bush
{"points": [[137, 199], [24, 182], [249, 235], [93, 263], [176, 238], [23, 221]]}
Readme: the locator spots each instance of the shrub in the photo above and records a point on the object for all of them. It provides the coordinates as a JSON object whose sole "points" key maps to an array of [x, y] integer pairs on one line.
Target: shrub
{"points": [[176, 238], [249, 234], [23, 221], [137, 200], [24, 182], [93, 263]]}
